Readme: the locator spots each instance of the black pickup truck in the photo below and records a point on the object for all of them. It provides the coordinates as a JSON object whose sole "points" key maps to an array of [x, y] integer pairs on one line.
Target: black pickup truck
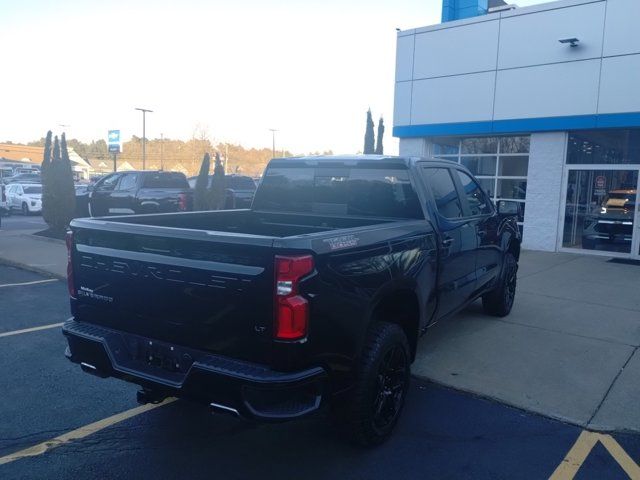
{"points": [[135, 192], [315, 296]]}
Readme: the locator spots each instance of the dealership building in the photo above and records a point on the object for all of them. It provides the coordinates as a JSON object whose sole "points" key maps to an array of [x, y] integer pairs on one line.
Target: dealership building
{"points": [[542, 104]]}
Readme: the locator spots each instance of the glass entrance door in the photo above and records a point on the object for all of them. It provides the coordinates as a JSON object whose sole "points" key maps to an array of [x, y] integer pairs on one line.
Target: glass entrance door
{"points": [[601, 211]]}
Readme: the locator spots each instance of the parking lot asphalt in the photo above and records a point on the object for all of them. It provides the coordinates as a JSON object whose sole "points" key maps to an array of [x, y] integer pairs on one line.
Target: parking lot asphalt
{"points": [[444, 434]]}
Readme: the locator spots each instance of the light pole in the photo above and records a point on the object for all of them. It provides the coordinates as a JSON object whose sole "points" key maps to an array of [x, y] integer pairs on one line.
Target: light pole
{"points": [[162, 151], [144, 114], [273, 141]]}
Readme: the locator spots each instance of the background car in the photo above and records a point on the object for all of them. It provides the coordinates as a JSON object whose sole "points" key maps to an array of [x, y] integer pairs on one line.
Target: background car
{"points": [[25, 197], [611, 224], [23, 178], [239, 190]]}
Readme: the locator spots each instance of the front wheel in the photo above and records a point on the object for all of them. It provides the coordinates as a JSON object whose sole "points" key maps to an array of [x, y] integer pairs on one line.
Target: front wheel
{"points": [[381, 384], [25, 209], [499, 301]]}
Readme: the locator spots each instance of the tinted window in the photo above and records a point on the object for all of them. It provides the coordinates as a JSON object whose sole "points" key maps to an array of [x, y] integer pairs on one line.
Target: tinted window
{"points": [[444, 192], [476, 198], [128, 181], [604, 146], [109, 181], [240, 183], [165, 180], [33, 189], [370, 192]]}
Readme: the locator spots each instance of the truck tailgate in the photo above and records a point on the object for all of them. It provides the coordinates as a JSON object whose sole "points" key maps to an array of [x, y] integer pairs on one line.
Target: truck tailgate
{"points": [[199, 289]]}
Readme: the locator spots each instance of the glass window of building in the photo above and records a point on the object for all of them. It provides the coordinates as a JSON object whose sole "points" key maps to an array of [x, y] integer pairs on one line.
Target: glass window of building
{"points": [[605, 147], [500, 164]]}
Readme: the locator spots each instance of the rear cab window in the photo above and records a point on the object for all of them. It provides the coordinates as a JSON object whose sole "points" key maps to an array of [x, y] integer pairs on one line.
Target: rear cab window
{"points": [[341, 190], [165, 180]]}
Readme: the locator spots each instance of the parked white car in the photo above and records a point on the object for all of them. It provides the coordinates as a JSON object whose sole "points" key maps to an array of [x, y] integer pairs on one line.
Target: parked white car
{"points": [[26, 197]]}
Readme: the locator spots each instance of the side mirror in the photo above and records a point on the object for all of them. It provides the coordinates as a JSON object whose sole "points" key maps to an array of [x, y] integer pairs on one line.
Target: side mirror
{"points": [[507, 207], [89, 188]]}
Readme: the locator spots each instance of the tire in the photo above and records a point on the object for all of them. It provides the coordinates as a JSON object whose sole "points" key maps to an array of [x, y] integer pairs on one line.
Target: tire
{"points": [[381, 385], [499, 301], [25, 209]]}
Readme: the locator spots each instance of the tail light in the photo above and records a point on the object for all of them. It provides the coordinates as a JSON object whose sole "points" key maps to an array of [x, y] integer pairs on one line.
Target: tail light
{"points": [[291, 309], [182, 202], [70, 283]]}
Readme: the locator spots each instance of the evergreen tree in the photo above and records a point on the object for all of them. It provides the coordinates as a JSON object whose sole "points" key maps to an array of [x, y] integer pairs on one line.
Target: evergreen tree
{"points": [[218, 185], [369, 141], [379, 147], [67, 188], [49, 197], [202, 183], [59, 195], [44, 168]]}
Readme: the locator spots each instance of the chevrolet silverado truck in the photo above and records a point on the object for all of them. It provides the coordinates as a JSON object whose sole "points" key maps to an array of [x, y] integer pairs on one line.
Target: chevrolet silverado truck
{"points": [[611, 224], [315, 296], [136, 192]]}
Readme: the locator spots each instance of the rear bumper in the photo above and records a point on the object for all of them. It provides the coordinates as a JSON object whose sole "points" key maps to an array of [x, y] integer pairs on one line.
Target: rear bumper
{"points": [[246, 389]]}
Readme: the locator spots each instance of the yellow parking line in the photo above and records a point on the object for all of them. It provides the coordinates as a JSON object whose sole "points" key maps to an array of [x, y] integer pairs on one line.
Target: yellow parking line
{"points": [[29, 283], [81, 432], [581, 449], [27, 330]]}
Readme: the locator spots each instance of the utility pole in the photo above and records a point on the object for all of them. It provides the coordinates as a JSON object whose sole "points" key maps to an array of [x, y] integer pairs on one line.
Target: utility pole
{"points": [[144, 114], [273, 141], [162, 151]]}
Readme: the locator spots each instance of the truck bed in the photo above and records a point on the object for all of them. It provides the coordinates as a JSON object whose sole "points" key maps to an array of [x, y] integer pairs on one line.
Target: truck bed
{"points": [[250, 222]]}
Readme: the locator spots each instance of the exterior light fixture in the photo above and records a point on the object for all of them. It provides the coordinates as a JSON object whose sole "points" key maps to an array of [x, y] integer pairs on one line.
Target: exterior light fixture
{"points": [[571, 41]]}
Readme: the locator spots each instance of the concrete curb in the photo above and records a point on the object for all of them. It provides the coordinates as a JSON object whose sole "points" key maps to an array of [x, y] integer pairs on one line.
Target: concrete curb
{"points": [[42, 239], [41, 271]]}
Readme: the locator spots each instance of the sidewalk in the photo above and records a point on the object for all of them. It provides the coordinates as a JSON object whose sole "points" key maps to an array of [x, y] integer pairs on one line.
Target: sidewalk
{"points": [[31, 252], [569, 349]]}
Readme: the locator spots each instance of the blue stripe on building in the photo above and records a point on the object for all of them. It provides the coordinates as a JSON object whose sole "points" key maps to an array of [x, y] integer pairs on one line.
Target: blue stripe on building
{"points": [[546, 124]]}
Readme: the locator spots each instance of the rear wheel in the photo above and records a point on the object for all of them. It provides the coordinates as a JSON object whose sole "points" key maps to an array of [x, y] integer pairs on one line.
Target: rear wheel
{"points": [[499, 301], [381, 385], [25, 209]]}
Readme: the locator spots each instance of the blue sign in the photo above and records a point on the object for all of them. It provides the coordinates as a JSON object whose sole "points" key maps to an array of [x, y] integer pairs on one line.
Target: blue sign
{"points": [[114, 136], [114, 141]]}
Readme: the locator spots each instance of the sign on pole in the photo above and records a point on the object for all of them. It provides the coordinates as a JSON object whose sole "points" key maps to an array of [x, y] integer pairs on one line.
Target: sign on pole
{"points": [[114, 141]]}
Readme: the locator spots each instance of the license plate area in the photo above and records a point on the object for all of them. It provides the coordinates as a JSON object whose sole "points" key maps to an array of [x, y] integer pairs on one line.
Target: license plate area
{"points": [[161, 355]]}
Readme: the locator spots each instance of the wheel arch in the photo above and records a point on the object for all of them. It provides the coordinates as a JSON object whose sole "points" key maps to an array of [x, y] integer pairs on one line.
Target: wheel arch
{"points": [[401, 307]]}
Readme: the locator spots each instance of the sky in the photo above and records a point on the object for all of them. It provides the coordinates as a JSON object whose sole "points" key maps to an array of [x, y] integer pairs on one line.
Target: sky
{"points": [[229, 69]]}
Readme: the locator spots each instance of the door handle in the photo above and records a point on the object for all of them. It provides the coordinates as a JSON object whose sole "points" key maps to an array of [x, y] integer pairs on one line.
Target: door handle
{"points": [[482, 233], [447, 241]]}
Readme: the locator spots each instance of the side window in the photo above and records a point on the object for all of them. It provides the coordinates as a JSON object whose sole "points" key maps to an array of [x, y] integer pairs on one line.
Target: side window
{"points": [[109, 182], [128, 181], [477, 199], [444, 192]]}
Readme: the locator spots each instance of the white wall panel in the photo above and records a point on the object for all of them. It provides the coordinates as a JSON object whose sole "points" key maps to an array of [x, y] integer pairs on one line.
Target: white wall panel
{"points": [[413, 147], [402, 104], [548, 90], [544, 186], [452, 51], [533, 39], [464, 98], [622, 35], [620, 84], [404, 57]]}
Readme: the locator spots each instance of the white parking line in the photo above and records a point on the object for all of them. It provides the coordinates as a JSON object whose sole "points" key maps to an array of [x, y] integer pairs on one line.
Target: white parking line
{"points": [[28, 283], [27, 330], [81, 432]]}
